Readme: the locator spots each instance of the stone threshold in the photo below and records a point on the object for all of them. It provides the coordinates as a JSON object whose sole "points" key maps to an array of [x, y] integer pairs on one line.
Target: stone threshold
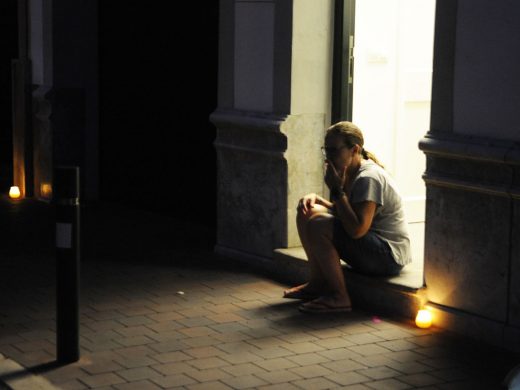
{"points": [[400, 296]]}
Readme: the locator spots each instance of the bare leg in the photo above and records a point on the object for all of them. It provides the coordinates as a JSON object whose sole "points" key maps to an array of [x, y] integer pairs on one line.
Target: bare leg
{"points": [[319, 236], [317, 282], [302, 220]]}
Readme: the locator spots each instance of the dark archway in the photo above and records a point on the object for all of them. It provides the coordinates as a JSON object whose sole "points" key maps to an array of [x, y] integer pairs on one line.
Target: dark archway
{"points": [[158, 86]]}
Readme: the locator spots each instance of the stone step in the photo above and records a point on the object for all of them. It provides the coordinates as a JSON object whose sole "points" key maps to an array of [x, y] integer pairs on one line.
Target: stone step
{"points": [[399, 296]]}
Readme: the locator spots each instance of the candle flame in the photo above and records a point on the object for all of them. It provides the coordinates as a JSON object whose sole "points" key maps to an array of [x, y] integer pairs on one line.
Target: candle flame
{"points": [[423, 319], [46, 190], [14, 192]]}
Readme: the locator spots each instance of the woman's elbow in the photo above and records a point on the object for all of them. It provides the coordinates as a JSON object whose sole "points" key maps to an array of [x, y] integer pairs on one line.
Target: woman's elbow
{"points": [[358, 233]]}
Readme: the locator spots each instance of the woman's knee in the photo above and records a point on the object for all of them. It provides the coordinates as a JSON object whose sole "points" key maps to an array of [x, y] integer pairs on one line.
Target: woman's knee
{"points": [[305, 216]]}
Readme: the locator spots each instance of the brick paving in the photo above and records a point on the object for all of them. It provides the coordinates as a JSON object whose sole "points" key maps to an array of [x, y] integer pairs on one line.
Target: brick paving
{"points": [[184, 318]]}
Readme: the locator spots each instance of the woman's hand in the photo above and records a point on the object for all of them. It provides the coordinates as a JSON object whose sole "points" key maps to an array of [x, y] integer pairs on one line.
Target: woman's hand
{"points": [[334, 179], [307, 202]]}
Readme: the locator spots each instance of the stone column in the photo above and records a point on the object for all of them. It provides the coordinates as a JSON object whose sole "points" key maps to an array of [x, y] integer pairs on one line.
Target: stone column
{"points": [[473, 162], [274, 103], [62, 47], [40, 52], [22, 130]]}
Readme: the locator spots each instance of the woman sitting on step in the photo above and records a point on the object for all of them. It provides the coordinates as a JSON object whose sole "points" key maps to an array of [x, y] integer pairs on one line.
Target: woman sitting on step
{"points": [[364, 224]]}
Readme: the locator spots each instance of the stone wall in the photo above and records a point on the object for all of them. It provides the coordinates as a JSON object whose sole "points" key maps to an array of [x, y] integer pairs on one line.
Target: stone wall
{"points": [[274, 105], [471, 254]]}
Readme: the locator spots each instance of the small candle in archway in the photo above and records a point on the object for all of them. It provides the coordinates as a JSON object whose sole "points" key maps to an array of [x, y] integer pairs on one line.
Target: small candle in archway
{"points": [[14, 192], [46, 190], [423, 319]]}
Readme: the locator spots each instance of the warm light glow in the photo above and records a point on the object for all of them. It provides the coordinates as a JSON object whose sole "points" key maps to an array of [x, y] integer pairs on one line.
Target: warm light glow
{"points": [[14, 192], [46, 190], [423, 319]]}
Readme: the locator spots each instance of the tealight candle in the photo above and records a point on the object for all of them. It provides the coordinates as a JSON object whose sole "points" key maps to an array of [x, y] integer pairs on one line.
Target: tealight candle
{"points": [[14, 192], [423, 319], [46, 190]]}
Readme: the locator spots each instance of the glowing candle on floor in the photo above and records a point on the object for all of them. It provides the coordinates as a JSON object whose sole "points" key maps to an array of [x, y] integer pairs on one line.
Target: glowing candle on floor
{"points": [[423, 319], [14, 192]]}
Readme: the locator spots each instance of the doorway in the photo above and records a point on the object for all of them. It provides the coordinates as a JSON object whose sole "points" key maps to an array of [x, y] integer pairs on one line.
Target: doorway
{"points": [[156, 140], [387, 55]]}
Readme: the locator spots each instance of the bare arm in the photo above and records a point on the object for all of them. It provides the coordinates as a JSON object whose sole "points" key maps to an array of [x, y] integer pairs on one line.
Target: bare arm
{"points": [[324, 202], [356, 218], [308, 201]]}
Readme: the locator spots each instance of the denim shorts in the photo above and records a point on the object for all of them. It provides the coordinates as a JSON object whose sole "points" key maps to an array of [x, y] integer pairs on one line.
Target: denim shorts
{"points": [[369, 255]]}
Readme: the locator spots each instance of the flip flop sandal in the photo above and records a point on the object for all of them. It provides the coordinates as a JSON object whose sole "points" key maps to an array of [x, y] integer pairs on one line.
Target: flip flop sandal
{"points": [[300, 294], [321, 307]]}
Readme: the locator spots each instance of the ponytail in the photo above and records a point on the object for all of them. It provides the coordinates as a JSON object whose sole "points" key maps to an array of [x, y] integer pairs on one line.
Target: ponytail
{"points": [[370, 156]]}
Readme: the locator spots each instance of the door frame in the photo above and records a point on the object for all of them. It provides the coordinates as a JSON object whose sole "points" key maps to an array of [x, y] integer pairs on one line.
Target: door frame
{"points": [[343, 60]]}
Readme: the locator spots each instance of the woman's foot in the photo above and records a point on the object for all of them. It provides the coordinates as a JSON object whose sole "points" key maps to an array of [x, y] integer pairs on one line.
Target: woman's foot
{"points": [[303, 291], [327, 304]]}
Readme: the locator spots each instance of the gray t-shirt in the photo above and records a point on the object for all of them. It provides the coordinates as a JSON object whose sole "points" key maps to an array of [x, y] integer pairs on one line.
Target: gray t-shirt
{"points": [[374, 184]]}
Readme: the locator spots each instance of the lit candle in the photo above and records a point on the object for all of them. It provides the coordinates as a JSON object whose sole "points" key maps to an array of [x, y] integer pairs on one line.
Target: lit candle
{"points": [[423, 319], [46, 190], [14, 192]]}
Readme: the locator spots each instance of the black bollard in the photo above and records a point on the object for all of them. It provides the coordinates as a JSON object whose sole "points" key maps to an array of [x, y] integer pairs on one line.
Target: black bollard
{"points": [[66, 201]]}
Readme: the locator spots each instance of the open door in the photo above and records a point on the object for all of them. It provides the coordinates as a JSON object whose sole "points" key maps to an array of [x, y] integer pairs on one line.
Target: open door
{"points": [[389, 94], [343, 61]]}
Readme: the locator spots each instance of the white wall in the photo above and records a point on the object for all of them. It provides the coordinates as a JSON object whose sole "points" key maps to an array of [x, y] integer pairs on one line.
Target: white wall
{"points": [[375, 71], [392, 88], [311, 67]]}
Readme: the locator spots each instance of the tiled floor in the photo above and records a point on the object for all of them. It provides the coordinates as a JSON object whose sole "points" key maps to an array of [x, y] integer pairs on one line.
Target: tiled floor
{"points": [[188, 319]]}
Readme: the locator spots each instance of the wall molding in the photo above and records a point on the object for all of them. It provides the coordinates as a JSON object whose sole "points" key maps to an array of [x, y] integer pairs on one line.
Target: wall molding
{"points": [[471, 148], [457, 184], [244, 149], [472, 152], [249, 132], [247, 120]]}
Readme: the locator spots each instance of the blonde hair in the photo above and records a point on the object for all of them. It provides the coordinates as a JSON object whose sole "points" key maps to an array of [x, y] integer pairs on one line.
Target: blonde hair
{"points": [[351, 135]]}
